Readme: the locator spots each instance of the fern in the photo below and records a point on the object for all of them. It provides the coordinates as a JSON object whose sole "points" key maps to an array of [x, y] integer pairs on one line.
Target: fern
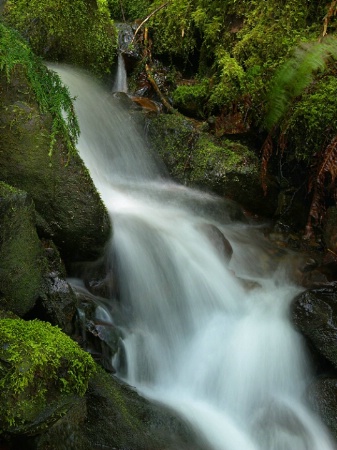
{"points": [[295, 76], [51, 95]]}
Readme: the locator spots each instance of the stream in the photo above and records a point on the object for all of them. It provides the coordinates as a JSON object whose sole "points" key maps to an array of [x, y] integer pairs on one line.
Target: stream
{"points": [[211, 339]]}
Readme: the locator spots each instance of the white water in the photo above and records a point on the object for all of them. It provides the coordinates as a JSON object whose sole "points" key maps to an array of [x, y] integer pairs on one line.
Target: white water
{"points": [[121, 83], [223, 356]]}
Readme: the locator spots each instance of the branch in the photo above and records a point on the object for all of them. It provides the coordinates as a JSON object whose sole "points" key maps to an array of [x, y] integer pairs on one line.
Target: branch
{"points": [[156, 88], [147, 18], [122, 9]]}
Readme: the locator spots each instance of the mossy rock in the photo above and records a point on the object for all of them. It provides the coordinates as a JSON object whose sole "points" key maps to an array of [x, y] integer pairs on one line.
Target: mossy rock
{"points": [[42, 373], [22, 261], [80, 32], [228, 168], [118, 418], [59, 184]]}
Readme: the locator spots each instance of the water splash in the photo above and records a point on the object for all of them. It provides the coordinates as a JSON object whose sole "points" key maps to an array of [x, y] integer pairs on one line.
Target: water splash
{"points": [[224, 356]]}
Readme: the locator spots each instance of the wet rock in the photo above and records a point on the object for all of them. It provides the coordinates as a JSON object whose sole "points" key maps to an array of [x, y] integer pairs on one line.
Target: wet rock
{"points": [[118, 417], [22, 261], [315, 314], [221, 244], [95, 329], [63, 192], [322, 396], [197, 159], [57, 302]]}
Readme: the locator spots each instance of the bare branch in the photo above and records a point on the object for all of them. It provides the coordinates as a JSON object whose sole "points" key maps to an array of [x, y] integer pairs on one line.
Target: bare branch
{"points": [[147, 18]]}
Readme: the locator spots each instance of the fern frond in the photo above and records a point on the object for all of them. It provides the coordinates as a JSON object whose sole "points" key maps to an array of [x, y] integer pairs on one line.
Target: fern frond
{"points": [[295, 75]]}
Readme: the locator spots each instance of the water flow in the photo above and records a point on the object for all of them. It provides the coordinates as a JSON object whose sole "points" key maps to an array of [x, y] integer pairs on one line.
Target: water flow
{"points": [[121, 83], [219, 350]]}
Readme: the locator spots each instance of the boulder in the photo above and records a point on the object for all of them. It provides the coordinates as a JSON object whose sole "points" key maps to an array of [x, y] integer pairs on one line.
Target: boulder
{"points": [[197, 159], [42, 373], [22, 261], [79, 32], [314, 313], [63, 192], [118, 418]]}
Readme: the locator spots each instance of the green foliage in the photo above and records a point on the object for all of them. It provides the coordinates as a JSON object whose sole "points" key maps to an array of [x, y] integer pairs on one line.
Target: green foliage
{"points": [[173, 28], [312, 122], [191, 98], [295, 75], [52, 96], [229, 83], [129, 9], [79, 32], [38, 363]]}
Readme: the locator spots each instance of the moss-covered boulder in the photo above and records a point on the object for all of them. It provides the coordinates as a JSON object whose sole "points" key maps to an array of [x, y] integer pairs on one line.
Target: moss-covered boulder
{"points": [[38, 152], [200, 160], [21, 254], [42, 373], [118, 418], [79, 32]]}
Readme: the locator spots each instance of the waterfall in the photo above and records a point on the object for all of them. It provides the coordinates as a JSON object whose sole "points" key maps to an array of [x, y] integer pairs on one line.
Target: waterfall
{"points": [[198, 337], [121, 84]]}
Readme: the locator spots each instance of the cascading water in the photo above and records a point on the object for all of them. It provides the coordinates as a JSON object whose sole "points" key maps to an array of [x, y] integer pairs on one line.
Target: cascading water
{"points": [[225, 357], [121, 83]]}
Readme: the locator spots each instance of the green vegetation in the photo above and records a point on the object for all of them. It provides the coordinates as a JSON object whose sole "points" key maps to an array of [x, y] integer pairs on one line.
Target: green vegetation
{"points": [[79, 32], [129, 10], [39, 365], [52, 96]]}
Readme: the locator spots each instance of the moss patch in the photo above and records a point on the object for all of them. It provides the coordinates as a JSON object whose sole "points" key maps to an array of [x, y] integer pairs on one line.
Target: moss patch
{"points": [[79, 32], [41, 371]]}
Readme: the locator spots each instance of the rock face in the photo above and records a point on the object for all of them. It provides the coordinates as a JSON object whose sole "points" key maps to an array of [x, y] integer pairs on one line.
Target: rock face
{"points": [[71, 212], [21, 253]]}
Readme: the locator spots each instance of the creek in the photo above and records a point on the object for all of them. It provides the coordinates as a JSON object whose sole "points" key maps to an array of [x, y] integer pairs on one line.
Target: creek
{"points": [[210, 339]]}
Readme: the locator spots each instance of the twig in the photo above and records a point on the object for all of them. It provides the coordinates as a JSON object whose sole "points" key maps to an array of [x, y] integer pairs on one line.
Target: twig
{"points": [[147, 18], [122, 9]]}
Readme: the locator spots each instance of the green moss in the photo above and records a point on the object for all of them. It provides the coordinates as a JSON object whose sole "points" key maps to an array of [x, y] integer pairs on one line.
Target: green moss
{"points": [[190, 98], [38, 365], [224, 159], [129, 9], [173, 138], [311, 122], [79, 32]]}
